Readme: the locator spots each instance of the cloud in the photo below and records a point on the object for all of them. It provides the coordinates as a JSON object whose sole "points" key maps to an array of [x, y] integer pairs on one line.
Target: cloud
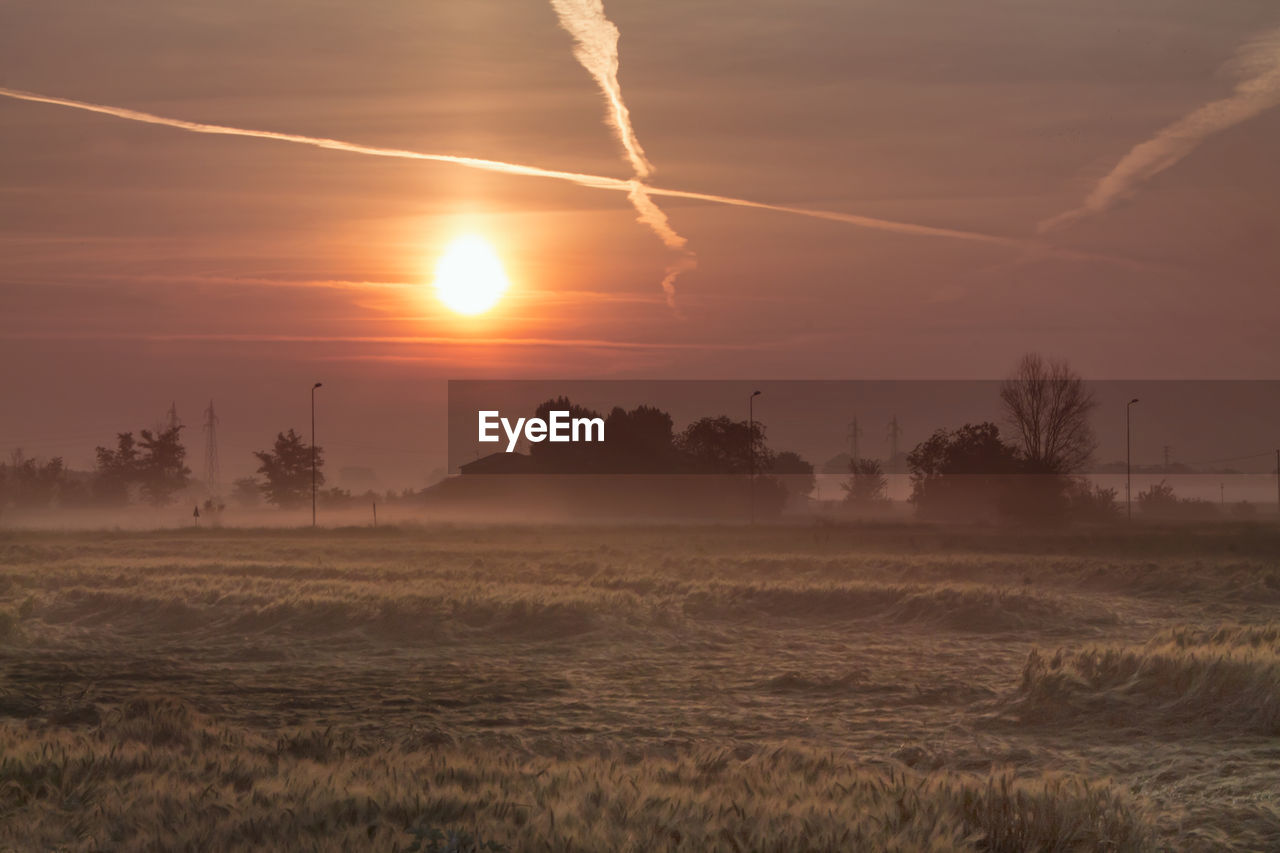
{"points": [[1257, 67], [217, 337]]}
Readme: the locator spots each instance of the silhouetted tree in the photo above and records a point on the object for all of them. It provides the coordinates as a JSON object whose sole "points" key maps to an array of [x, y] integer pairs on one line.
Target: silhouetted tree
{"points": [[33, 483], [568, 457], [116, 470], [161, 472], [1047, 405], [154, 464], [794, 473], [963, 474], [723, 446], [287, 470], [640, 441], [867, 485]]}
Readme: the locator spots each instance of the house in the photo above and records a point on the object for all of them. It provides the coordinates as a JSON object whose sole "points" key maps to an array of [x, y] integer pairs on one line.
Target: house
{"points": [[499, 463]]}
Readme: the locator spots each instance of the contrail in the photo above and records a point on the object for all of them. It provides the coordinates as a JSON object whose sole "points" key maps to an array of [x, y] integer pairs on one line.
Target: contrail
{"points": [[594, 181], [598, 182], [1257, 65], [596, 49], [650, 214]]}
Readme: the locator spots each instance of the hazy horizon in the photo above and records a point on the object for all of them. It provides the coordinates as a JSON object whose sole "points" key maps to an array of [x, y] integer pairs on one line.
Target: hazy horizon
{"points": [[144, 265]]}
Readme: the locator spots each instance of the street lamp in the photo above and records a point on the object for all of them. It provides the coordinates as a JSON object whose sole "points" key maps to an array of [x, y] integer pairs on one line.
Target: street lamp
{"points": [[751, 445], [1128, 468], [313, 452]]}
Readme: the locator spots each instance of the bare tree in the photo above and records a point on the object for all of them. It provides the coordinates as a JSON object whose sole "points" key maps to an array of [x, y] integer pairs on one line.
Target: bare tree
{"points": [[1048, 405]]}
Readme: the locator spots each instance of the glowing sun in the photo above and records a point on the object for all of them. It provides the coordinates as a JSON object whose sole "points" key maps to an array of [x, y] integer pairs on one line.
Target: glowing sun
{"points": [[469, 276]]}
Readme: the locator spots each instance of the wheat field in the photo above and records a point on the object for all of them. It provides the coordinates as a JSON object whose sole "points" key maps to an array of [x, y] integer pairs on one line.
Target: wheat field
{"points": [[805, 688]]}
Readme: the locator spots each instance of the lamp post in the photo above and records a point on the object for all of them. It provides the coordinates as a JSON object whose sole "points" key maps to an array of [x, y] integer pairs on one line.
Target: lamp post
{"points": [[751, 450], [1128, 468], [313, 452]]}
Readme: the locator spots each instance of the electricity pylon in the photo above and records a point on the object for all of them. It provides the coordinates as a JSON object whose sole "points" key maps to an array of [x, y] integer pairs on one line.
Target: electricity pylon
{"points": [[211, 471]]}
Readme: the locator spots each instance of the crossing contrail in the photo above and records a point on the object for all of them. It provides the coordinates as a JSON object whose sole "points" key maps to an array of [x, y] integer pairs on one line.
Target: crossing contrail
{"points": [[1257, 66], [599, 182], [596, 49]]}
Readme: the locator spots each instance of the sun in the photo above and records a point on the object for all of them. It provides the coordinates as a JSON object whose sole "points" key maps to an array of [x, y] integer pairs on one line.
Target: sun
{"points": [[469, 276]]}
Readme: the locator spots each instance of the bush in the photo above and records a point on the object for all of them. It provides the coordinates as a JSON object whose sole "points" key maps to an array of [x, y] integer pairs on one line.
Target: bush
{"points": [[1160, 501]]}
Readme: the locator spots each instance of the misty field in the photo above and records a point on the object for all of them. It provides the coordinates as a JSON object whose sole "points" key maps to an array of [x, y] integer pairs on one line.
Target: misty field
{"points": [[640, 688]]}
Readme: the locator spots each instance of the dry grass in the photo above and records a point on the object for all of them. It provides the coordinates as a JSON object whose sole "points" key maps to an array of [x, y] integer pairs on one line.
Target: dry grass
{"points": [[155, 775], [1226, 678], [638, 689]]}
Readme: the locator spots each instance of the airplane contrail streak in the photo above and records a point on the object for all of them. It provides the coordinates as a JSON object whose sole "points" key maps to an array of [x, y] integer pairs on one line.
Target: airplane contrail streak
{"points": [[596, 49], [650, 214], [1257, 65], [593, 181], [598, 182]]}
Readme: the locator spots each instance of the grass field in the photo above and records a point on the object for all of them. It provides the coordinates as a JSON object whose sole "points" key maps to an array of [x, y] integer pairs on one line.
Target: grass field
{"points": [[639, 688]]}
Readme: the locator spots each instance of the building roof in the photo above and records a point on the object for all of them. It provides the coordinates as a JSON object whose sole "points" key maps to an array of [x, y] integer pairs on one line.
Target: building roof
{"points": [[499, 463]]}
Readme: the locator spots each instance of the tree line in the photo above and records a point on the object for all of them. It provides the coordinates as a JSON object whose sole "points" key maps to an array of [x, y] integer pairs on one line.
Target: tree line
{"points": [[966, 473], [1030, 473], [974, 472], [151, 469], [643, 440]]}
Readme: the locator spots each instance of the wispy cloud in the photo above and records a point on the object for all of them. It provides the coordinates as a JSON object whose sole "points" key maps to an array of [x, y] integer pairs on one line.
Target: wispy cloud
{"points": [[434, 340], [596, 48], [406, 287], [1257, 68]]}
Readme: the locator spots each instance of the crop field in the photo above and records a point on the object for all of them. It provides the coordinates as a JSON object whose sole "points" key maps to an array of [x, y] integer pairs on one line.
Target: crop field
{"points": [[802, 688]]}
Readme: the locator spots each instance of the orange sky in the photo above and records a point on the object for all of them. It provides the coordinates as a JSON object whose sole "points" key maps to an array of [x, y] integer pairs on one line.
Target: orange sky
{"points": [[141, 264]]}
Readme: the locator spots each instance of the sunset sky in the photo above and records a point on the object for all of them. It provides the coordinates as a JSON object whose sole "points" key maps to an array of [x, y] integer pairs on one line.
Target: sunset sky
{"points": [[142, 265]]}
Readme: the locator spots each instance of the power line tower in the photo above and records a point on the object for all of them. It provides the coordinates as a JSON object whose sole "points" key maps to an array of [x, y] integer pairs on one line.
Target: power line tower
{"points": [[174, 420], [895, 432], [1168, 457], [855, 433], [212, 474]]}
